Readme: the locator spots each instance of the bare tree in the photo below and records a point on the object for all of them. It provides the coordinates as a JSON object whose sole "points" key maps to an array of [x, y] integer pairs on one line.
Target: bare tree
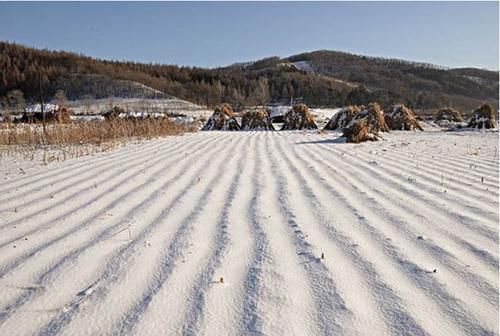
{"points": [[261, 92], [5, 112], [88, 102], [42, 107], [15, 101], [219, 88], [60, 98], [110, 104]]}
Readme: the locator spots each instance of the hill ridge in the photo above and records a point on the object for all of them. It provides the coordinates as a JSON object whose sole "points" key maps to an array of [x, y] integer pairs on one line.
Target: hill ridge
{"points": [[338, 78]]}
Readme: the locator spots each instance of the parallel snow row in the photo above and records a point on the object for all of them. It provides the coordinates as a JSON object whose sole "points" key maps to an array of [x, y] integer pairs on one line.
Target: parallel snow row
{"points": [[308, 239]]}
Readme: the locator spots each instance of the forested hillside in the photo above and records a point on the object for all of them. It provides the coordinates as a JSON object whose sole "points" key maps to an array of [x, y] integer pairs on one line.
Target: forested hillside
{"points": [[322, 78]]}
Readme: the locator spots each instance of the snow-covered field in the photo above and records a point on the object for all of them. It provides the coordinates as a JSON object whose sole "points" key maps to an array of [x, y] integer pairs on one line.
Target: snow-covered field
{"points": [[137, 240]]}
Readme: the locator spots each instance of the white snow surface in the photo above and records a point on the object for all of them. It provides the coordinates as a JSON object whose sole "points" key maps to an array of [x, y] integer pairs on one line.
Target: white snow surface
{"points": [[136, 241], [280, 110], [37, 108], [139, 106], [304, 66]]}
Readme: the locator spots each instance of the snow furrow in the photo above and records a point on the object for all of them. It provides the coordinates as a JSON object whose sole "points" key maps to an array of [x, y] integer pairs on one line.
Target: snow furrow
{"points": [[107, 232], [449, 172], [256, 233], [274, 303], [251, 316], [197, 242], [430, 180], [399, 191], [415, 273], [116, 267], [424, 188], [45, 218], [464, 148], [72, 166], [470, 220], [194, 312], [223, 302], [103, 205], [330, 306], [87, 174], [397, 317], [175, 250], [381, 207]]}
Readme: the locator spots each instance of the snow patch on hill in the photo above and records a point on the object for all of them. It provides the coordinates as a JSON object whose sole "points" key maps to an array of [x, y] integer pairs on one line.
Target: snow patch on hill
{"points": [[304, 66]]}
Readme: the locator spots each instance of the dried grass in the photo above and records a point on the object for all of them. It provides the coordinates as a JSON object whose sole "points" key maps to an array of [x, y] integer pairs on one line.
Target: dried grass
{"points": [[366, 124], [257, 119], [63, 116], [342, 118], [223, 119], [449, 114], [89, 132], [359, 131], [483, 117], [375, 118], [298, 118], [114, 113], [401, 118]]}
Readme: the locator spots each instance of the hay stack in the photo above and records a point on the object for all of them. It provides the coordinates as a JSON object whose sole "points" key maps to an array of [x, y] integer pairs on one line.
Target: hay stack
{"points": [[114, 113], [298, 118], [449, 114], [401, 118], [375, 118], [62, 115], [483, 117], [256, 120], [359, 130], [342, 118], [223, 119], [6, 117], [366, 124]]}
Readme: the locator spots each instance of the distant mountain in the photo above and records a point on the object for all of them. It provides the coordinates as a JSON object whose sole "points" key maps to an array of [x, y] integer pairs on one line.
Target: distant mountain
{"points": [[320, 78], [423, 84]]}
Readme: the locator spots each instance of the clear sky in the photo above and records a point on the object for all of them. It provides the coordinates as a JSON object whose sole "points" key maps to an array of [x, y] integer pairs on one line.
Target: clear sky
{"points": [[220, 33]]}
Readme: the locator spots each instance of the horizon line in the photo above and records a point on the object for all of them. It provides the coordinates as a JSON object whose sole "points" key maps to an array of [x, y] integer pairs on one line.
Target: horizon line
{"points": [[415, 62]]}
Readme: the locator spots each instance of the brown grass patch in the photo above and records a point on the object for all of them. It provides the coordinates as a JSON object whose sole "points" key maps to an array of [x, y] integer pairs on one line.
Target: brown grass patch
{"points": [[90, 132]]}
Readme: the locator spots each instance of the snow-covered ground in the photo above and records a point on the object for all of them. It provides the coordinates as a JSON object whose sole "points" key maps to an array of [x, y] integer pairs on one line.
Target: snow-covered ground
{"points": [[135, 106], [137, 240]]}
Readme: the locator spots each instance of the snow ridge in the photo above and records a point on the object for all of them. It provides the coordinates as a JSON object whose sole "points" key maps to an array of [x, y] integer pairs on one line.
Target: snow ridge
{"points": [[261, 233]]}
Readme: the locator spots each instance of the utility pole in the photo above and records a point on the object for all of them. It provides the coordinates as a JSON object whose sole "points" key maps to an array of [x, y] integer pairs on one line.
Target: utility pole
{"points": [[41, 106]]}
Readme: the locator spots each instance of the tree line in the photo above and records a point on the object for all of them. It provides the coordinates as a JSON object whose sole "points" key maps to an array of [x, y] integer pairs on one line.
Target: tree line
{"points": [[338, 79]]}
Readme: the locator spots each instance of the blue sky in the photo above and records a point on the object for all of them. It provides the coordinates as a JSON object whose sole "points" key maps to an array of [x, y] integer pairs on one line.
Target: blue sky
{"points": [[220, 33]]}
